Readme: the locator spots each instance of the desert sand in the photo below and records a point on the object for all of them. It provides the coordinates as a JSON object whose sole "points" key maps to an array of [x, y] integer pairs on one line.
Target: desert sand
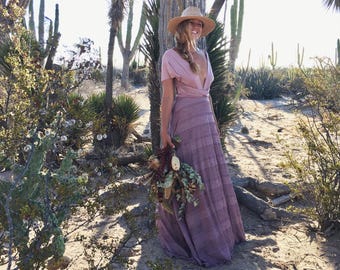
{"points": [[276, 244]]}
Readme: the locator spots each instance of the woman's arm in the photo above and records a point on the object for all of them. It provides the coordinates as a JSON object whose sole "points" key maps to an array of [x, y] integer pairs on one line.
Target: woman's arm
{"points": [[166, 108]]}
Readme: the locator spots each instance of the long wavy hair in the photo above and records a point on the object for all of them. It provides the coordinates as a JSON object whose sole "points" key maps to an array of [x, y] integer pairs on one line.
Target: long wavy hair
{"points": [[184, 43]]}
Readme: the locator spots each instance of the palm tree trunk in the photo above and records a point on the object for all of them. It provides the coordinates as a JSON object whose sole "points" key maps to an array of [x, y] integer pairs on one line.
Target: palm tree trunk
{"points": [[109, 71]]}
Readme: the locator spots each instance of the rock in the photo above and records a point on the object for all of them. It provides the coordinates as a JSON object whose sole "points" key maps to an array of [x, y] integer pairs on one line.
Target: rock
{"points": [[269, 189], [61, 263], [268, 214]]}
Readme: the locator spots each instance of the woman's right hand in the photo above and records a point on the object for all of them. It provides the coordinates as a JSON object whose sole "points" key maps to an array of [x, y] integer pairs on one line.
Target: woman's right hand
{"points": [[166, 140]]}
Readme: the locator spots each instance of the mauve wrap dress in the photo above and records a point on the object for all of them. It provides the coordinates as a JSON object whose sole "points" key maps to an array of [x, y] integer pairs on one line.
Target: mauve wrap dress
{"points": [[208, 232]]}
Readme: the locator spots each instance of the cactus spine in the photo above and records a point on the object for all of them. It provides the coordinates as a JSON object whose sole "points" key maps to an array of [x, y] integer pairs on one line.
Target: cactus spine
{"points": [[127, 51], [273, 57], [236, 22], [47, 51]]}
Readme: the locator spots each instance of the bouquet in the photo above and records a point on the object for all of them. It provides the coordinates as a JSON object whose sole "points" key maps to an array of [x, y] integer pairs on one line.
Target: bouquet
{"points": [[170, 178]]}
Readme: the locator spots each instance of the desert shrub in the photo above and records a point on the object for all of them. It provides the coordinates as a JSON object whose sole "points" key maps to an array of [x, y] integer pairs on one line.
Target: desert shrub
{"points": [[77, 127], [125, 112], [139, 76], [38, 183], [261, 83], [37, 199], [319, 170], [295, 84]]}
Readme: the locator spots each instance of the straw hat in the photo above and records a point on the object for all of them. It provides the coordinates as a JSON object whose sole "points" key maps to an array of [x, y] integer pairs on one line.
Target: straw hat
{"points": [[192, 13]]}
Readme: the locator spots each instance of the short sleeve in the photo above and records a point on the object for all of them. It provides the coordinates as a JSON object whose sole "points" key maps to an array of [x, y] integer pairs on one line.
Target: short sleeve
{"points": [[167, 71]]}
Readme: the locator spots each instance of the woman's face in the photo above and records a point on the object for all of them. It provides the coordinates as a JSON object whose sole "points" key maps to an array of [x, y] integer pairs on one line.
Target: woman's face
{"points": [[195, 29]]}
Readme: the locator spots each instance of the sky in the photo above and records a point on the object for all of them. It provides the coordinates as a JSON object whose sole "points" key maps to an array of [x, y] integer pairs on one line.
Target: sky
{"points": [[284, 23]]}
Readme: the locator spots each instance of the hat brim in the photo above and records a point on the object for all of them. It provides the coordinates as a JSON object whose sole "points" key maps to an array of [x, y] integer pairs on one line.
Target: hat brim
{"points": [[208, 24]]}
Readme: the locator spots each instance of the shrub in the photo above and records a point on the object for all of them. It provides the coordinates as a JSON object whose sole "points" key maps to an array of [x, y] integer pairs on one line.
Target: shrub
{"points": [[261, 83], [319, 171], [78, 116], [40, 185], [125, 112]]}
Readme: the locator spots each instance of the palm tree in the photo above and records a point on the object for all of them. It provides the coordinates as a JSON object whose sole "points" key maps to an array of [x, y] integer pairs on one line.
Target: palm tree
{"points": [[335, 4], [116, 15], [151, 50]]}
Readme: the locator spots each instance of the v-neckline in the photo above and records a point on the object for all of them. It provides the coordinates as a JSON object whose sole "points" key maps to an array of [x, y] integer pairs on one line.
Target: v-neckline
{"points": [[202, 84], [206, 71]]}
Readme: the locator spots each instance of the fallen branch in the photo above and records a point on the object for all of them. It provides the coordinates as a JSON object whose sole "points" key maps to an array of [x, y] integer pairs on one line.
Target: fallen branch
{"points": [[259, 206]]}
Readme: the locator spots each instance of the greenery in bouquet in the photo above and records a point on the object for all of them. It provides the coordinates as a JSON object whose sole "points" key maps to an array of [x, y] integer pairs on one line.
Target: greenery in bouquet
{"points": [[172, 179]]}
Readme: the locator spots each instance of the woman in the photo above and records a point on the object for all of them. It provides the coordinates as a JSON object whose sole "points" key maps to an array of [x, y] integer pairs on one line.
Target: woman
{"points": [[209, 231]]}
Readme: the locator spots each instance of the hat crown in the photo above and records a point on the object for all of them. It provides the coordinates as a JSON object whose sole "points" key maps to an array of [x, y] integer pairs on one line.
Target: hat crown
{"points": [[191, 11]]}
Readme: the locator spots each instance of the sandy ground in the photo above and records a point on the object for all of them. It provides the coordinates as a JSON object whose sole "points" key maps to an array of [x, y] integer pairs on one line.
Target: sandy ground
{"points": [[280, 244]]}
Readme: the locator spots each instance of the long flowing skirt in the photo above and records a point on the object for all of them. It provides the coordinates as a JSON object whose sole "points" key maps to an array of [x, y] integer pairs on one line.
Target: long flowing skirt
{"points": [[208, 232]]}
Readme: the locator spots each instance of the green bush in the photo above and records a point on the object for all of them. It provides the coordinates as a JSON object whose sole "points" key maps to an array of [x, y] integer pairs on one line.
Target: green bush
{"points": [[41, 185], [125, 112], [319, 170], [76, 127], [261, 83]]}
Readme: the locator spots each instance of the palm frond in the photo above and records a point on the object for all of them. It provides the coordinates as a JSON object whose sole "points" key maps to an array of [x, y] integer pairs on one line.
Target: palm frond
{"points": [[332, 4]]}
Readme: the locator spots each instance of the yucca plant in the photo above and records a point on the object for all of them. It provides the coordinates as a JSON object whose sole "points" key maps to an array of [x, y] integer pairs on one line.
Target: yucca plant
{"points": [[96, 102], [125, 113]]}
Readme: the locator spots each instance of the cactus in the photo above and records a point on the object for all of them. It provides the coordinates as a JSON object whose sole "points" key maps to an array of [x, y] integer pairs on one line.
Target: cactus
{"points": [[127, 51], [47, 52], [300, 55], [338, 52], [273, 57], [236, 22]]}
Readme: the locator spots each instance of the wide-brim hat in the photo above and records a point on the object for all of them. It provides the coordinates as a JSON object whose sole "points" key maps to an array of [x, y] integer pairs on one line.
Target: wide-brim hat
{"points": [[192, 13]]}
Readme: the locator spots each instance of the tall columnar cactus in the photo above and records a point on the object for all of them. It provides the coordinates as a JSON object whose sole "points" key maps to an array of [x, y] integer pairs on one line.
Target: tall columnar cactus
{"points": [[273, 57], [338, 52], [49, 46], [236, 22], [127, 51], [300, 55]]}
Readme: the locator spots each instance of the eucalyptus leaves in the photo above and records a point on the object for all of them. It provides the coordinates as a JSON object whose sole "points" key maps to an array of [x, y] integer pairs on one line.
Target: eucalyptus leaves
{"points": [[171, 179]]}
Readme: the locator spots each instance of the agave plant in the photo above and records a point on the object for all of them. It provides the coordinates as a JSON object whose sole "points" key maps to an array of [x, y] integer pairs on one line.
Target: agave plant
{"points": [[125, 111]]}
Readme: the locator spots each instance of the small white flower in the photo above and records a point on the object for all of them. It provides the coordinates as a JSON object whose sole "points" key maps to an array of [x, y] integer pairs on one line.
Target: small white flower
{"points": [[72, 122], [104, 136], [27, 148], [99, 137], [47, 132], [63, 138], [99, 173], [89, 124], [40, 135], [110, 164]]}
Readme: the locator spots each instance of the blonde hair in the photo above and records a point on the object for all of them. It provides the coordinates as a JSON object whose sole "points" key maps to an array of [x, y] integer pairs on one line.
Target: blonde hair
{"points": [[183, 43]]}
